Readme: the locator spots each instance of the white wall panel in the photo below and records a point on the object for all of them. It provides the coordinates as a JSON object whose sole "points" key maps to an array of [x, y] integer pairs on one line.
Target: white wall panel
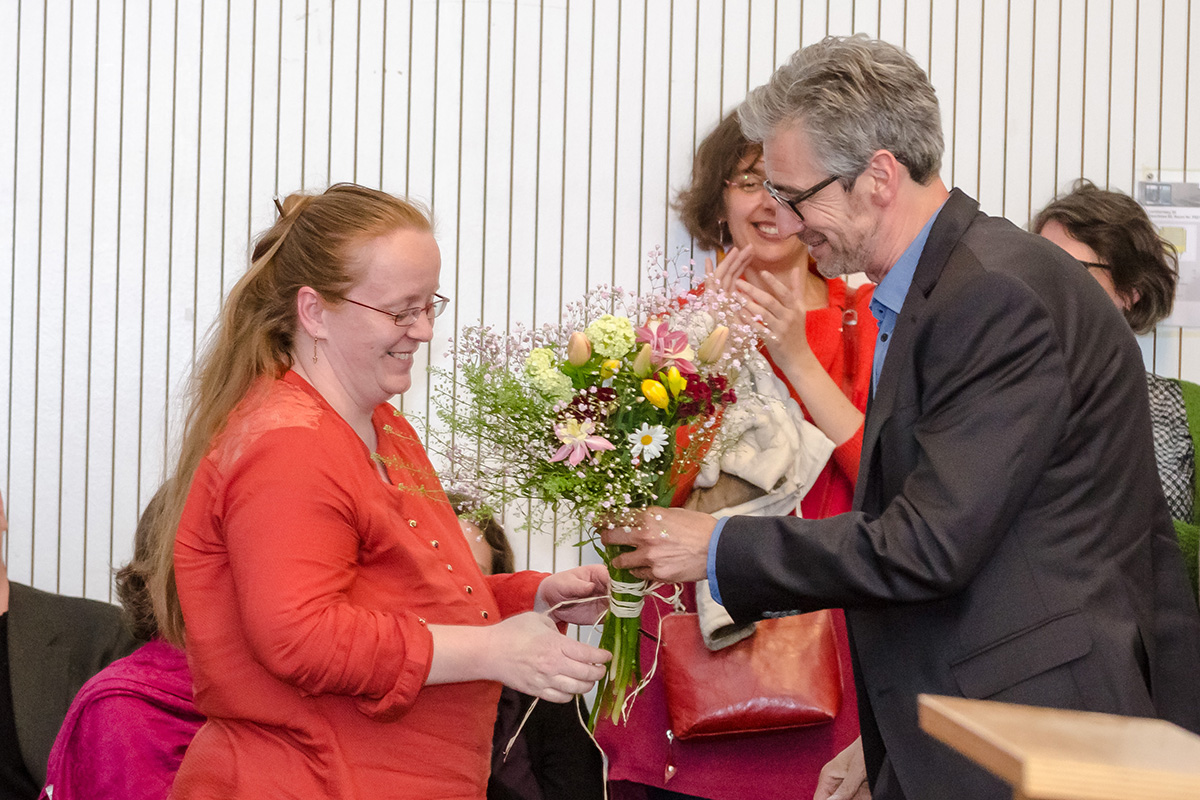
{"points": [[141, 146]]}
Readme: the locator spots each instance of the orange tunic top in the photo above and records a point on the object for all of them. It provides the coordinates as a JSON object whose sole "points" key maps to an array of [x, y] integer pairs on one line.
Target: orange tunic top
{"points": [[307, 585]]}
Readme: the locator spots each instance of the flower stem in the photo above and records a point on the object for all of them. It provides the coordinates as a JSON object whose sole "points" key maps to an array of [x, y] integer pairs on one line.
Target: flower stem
{"points": [[620, 637]]}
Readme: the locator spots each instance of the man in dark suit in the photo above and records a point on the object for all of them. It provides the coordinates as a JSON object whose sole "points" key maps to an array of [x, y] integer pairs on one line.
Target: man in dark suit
{"points": [[49, 646], [1009, 538]]}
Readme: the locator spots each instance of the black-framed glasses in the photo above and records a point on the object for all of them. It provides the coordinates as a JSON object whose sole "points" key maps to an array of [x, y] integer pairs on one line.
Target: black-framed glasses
{"points": [[1094, 265], [748, 182], [408, 316], [794, 202]]}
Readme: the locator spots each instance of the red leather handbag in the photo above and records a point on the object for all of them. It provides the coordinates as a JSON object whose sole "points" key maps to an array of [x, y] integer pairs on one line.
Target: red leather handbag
{"points": [[786, 675]]}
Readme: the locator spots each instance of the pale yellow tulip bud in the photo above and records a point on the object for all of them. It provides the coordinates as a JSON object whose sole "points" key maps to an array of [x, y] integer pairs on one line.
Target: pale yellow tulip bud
{"points": [[579, 349], [641, 364], [713, 345]]}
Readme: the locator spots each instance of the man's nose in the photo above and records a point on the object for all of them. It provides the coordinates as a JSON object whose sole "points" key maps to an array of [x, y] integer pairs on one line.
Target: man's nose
{"points": [[786, 221]]}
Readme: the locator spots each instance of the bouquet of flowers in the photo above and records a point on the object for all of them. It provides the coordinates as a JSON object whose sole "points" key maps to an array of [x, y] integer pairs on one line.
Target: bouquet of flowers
{"points": [[593, 420]]}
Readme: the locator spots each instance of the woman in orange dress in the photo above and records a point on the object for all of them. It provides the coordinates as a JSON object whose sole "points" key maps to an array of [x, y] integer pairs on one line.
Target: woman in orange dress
{"points": [[341, 638], [819, 337]]}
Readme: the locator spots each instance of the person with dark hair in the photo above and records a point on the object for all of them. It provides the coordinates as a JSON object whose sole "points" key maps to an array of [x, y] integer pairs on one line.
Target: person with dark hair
{"points": [[818, 335], [342, 640], [50, 645], [1009, 539], [1110, 235], [552, 756], [129, 726]]}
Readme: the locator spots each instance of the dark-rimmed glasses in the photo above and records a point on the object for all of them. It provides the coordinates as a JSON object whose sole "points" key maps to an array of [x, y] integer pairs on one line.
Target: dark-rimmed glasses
{"points": [[408, 316], [1094, 265], [794, 202]]}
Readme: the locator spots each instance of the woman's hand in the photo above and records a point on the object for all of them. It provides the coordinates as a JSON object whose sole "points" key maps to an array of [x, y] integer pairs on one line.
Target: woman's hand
{"points": [[587, 583], [778, 312], [528, 653], [845, 777], [730, 270]]}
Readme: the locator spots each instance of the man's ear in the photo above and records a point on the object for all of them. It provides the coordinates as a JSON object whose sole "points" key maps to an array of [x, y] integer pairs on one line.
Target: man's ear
{"points": [[310, 311], [884, 175]]}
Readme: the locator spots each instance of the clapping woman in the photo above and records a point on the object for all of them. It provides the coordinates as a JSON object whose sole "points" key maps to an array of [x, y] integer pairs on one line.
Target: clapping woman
{"points": [[818, 335], [342, 641]]}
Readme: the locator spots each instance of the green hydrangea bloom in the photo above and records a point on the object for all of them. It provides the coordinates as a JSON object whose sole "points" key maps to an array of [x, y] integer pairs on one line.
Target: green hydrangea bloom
{"points": [[611, 337], [539, 360], [545, 377]]}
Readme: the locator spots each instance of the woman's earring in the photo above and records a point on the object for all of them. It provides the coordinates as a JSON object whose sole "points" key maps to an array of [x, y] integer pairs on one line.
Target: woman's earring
{"points": [[314, 351], [723, 231]]}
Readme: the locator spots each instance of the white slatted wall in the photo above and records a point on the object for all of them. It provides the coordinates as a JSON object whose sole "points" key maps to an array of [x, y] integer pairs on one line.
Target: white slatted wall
{"points": [[141, 144]]}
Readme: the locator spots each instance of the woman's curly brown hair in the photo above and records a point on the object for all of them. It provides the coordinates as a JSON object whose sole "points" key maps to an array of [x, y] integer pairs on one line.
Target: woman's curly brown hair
{"points": [[135, 599], [701, 206], [1142, 263]]}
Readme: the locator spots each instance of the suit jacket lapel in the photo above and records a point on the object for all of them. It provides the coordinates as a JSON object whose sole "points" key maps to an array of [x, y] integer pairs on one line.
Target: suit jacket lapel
{"points": [[953, 220]]}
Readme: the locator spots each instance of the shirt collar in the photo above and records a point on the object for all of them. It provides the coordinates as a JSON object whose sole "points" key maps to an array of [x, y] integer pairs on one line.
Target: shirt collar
{"points": [[891, 291]]}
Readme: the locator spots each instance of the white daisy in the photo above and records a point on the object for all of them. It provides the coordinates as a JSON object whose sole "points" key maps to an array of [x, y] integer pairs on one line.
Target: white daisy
{"points": [[648, 442]]}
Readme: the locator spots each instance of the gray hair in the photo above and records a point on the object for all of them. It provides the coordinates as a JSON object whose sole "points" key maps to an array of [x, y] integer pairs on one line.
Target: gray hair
{"points": [[853, 95]]}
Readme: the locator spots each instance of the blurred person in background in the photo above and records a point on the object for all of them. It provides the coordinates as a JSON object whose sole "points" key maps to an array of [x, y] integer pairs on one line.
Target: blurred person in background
{"points": [[129, 726], [51, 645], [1109, 234]]}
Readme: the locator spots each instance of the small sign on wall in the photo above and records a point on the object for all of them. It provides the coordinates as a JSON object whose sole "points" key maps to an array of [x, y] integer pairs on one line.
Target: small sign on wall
{"points": [[1174, 208]]}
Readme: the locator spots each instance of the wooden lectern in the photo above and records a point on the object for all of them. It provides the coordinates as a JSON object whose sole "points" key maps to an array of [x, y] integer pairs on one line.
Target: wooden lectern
{"points": [[1052, 754]]}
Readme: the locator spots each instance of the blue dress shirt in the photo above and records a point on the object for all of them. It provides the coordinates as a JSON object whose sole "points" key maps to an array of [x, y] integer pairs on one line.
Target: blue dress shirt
{"points": [[889, 296]]}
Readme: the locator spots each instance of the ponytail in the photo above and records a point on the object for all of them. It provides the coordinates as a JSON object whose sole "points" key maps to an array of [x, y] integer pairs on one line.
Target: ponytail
{"points": [[309, 245]]}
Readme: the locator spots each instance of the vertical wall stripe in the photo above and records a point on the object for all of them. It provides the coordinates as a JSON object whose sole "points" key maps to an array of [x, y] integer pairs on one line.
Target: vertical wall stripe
{"points": [[91, 306], [37, 328], [62, 359]]}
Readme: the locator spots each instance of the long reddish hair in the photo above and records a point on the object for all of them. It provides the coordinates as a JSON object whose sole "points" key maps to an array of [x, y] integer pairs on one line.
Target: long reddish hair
{"points": [[308, 245]]}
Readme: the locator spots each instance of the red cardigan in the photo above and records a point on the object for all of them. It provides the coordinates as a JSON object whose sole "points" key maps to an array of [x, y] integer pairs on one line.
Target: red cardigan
{"points": [[842, 336], [782, 763], [307, 585]]}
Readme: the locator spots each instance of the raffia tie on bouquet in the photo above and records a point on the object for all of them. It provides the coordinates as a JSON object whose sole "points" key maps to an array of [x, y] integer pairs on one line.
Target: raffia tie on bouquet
{"points": [[627, 609]]}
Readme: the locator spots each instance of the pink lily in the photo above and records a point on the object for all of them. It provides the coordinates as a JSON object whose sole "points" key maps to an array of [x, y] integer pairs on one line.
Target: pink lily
{"points": [[578, 438], [668, 348]]}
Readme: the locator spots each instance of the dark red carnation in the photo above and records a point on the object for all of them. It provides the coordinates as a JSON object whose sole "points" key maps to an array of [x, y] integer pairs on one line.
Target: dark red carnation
{"points": [[591, 405]]}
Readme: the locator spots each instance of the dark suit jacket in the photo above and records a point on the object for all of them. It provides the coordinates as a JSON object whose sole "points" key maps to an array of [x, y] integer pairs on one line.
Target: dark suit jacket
{"points": [[1010, 539], [55, 644]]}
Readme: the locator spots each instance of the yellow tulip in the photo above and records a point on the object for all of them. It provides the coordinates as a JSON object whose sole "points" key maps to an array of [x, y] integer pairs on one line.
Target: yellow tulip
{"points": [[641, 364], [609, 367], [675, 382], [656, 393], [713, 345], [579, 349]]}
